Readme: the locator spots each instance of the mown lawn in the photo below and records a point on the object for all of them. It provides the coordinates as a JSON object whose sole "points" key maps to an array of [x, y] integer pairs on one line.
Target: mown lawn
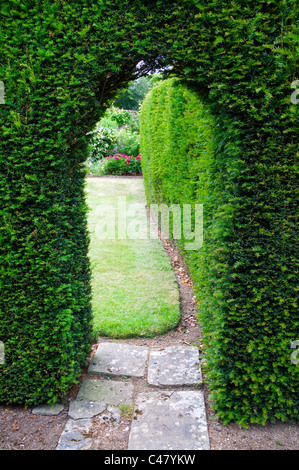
{"points": [[134, 288]]}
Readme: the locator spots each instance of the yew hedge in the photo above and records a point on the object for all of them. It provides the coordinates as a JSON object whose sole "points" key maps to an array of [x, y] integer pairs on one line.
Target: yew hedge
{"points": [[245, 272], [62, 64]]}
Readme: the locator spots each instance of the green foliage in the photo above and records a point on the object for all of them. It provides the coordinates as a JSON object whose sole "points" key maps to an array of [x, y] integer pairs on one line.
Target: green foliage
{"points": [[120, 116], [244, 274], [62, 64], [102, 140], [132, 96], [128, 142], [116, 132]]}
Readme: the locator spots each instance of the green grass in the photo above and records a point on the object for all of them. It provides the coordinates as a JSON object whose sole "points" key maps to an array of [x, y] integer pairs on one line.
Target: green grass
{"points": [[134, 288]]}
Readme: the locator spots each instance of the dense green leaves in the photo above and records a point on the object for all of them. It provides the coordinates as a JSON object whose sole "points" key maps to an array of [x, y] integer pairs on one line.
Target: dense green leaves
{"points": [[62, 64], [245, 272]]}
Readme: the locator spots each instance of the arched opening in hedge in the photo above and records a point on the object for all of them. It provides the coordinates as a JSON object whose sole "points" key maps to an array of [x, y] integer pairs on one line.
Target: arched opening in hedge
{"points": [[61, 64]]}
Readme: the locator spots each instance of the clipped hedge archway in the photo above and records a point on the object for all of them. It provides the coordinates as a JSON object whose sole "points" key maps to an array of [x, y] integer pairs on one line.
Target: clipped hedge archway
{"points": [[61, 64]]}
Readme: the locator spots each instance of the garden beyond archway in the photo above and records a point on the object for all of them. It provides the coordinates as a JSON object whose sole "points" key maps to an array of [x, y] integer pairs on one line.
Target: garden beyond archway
{"points": [[61, 65]]}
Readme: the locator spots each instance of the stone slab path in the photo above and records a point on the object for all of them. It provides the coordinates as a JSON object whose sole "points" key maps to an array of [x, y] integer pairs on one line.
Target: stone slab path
{"points": [[176, 365], [119, 359], [169, 421], [169, 414]]}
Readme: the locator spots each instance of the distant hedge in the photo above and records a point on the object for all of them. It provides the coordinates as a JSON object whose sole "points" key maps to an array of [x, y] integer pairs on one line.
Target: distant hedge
{"points": [[245, 272], [62, 64]]}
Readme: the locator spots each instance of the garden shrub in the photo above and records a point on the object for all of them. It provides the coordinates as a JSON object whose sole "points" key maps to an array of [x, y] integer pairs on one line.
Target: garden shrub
{"points": [[101, 141], [62, 64], [120, 164], [128, 142], [120, 116], [244, 274], [117, 132]]}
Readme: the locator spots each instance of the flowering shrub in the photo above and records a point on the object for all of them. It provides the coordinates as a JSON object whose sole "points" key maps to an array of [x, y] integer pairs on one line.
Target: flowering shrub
{"points": [[128, 142], [121, 164], [102, 141], [116, 133]]}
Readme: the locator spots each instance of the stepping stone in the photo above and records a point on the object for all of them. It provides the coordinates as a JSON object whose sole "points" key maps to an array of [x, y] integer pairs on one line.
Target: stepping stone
{"points": [[85, 409], [106, 391], [48, 410], [175, 366], [114, 359], [169, 421], [74, 436], [78, 431]]}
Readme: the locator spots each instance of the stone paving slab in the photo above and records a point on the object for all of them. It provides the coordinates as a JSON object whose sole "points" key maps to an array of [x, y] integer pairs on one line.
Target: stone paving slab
{"points": [[106, 391], [116, 359], [48, 410], [85, 409], [74, 435], [78, 431], [175, 366], [169, 421], [163, 420]]}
